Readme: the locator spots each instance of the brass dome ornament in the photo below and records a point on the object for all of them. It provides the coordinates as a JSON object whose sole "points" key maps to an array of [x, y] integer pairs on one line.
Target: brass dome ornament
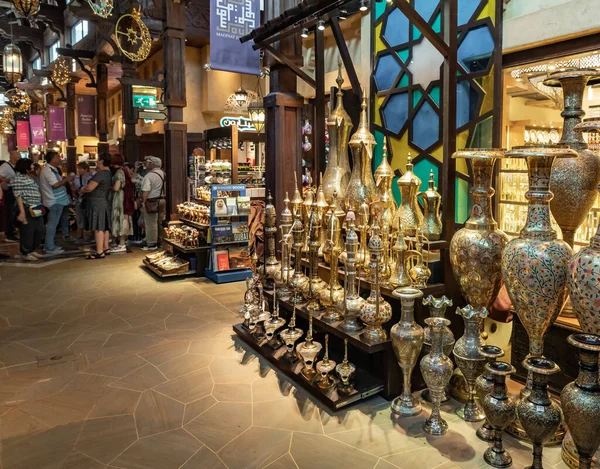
{"points": [[133, 37], [102, 8], [60, 71], [26, 8], [12, 61]]}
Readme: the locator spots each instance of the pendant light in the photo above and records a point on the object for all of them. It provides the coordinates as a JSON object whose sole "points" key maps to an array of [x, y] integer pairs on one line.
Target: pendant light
{"points": [[13, 63], [256, 109], [26, 8], [241, 95]]}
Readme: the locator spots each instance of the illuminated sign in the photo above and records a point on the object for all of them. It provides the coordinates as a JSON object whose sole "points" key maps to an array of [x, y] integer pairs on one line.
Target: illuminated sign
{"points": [[243, 123], [144, 101]]}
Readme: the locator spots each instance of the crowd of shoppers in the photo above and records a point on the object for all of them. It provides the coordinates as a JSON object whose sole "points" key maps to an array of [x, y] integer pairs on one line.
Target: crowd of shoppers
{"points": [[113, 202]]}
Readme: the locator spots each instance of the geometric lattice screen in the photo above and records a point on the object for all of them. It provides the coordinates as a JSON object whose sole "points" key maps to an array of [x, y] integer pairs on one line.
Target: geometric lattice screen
{"points": [[407, 81]]}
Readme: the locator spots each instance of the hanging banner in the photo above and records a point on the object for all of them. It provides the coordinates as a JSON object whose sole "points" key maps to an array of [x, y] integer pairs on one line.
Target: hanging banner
{"points": [[229, 21], [38, 134], [56, 123], [86, 115], [22, 134]]}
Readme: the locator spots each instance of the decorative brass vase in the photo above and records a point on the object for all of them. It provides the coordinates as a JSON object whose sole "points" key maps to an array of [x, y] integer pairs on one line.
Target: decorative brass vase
{"points": [[345, 371], [400, 276], [407, 341], [339, 124], [476, 250], [484, 384], [322, 207], [362, 257], [290, 336], [420, 272], [308, 351], [325, 366], [352, 301], [436, 368], [315, 285], [432, 203], [284, 275], [273, 324], [334, 292], [581, 399], [500, 412], [539, 415], [409, 213], [375, 311], [470, 361], [299, 281], [272, 265], [384, 176], [437, 309]]}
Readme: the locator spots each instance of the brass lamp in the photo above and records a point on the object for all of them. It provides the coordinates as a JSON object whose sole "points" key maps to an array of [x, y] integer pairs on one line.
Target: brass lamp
{"points": [[256, 112], [13, 63]]}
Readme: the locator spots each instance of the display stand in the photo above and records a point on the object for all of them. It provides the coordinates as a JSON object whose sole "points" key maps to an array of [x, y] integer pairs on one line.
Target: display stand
{"points": [[221, 234]]}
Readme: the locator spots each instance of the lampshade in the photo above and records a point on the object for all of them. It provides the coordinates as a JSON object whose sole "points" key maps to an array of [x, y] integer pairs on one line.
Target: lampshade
{"points": [[13, 63], [256, 112], [26, 8], [241, 96]]}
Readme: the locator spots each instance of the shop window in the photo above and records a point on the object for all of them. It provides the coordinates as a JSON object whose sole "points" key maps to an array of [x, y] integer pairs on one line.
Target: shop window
{"points": [[397, 28], [53, 51], [79, 31], [425, 8], [37, 64]]}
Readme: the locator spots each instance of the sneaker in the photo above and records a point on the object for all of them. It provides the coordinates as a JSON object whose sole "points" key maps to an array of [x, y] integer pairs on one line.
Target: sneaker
{"points": [[55, 251], [150, 247], [117, 249], [11, 240], [29, 257], [36, 254]]}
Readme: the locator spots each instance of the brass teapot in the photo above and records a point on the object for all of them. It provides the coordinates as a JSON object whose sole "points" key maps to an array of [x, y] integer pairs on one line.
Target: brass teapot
{"points": [[432, 202]]}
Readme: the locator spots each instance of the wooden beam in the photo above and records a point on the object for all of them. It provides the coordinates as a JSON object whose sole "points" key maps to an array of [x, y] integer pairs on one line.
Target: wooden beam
{"points": [[288, 32], [422, 25], [338, 35], [289, 63], [24, 34], [139, 82], [76, 53]]}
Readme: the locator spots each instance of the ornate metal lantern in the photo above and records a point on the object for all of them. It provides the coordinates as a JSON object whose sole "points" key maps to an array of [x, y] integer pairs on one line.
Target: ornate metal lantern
{"points": [[256, 109], [13, 63], [26, 8]]}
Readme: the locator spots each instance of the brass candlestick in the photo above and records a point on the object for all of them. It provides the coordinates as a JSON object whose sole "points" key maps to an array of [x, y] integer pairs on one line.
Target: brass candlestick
{"points": [[282, 277], [272, 265], [345, 371], [325, 366], [290, 336]]}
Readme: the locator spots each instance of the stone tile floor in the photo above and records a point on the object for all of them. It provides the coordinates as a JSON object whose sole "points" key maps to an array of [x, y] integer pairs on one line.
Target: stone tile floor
{"points": [[103, 366]]}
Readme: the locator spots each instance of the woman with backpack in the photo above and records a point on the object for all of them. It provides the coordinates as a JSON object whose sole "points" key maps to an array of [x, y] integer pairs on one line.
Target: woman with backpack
{"points": [[123, 203]]}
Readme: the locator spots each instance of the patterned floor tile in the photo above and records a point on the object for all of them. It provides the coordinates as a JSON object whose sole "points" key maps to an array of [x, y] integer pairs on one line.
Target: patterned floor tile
{"points": [[256, 448], [184, 364], [156, 413], [188, 388], [104, 439], [142, 379]]}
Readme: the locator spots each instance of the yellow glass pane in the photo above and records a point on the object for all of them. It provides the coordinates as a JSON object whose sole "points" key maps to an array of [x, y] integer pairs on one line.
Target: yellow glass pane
{"points": [[379, 45], [400, 149], [461, 142], [378, 102], [489, 11], [438, 153], [487, 83]]}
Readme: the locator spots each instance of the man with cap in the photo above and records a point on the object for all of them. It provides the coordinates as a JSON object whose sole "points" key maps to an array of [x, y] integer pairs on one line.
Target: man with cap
{"points": [[154, 206]]}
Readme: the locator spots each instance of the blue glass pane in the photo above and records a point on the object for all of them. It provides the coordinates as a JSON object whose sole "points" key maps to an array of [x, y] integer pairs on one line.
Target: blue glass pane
{"points": [[395, 112], [386, 71], [396, 28], [466, 8], [475, 51], [422, 169], [426, 126], [425, 8], [466, 103]]}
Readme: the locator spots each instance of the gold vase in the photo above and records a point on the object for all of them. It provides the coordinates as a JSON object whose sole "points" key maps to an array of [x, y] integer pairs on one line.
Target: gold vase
{"points": [[299, 280], [284, 275], [315, 285], [409, 213], [432, 203]]}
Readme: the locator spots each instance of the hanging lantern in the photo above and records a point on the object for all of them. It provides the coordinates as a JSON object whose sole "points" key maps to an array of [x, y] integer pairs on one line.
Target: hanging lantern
{"points": [[26, 8], [60, 71], [101, 8], [256, 109], [241, 96], [13, 63]]}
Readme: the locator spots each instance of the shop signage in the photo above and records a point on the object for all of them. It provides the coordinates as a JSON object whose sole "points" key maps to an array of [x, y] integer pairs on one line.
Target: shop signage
{"points": [[86, 115], [229, 21], [38, 133], [144, 101], [243, 123], [22, 134], [56, 123], [152, 115]]}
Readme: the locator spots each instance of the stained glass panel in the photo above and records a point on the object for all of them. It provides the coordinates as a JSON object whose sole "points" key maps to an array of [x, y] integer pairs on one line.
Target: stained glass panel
{"points": [[475, 51], [396, 29], [386, 71], [466, 8], [426, 126], [425, 8], [395, 112]]}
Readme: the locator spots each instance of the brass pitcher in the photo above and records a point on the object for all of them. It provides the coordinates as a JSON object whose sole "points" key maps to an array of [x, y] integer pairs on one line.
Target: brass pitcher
{"points": [[409, 213], [400, 276], [432, 201], [384, 175]]}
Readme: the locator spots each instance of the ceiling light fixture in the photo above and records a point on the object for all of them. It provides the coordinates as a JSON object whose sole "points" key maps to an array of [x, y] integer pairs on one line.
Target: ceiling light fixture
{"points": [[343, 14], [364, 5], [304, 33], [321, 25]]}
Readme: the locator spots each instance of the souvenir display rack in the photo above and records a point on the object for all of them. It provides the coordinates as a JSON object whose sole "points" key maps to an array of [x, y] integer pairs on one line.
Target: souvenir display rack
{"points": [[150, 264], [196, 255]]}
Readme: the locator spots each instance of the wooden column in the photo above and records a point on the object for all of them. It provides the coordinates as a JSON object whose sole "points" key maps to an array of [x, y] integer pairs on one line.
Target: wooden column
{"points": [[130, 139], [175, 100], [102, 105], [70, 128]]}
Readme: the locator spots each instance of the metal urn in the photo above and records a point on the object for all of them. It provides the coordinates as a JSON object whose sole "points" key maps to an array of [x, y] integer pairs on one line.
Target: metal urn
{"points": [[500, 412], [407, 340], [272, 265], [345, 372], [361, 188], [476, 250], [409, 213], [470, 361], [581, 399], [308, 351], [437, 309], [484, 384], [290, 336], [436, 368], [334, 292], [539, 415], [339, 125], [351, 301], [432, 203]]}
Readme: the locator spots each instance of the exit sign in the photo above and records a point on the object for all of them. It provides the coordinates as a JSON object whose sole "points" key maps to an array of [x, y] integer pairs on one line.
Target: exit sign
{"points": [[144, 101]]}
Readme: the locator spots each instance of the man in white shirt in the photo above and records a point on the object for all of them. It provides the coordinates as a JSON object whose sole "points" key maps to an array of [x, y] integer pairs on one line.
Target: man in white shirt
{"points": [[154, 205], [7, 174]]}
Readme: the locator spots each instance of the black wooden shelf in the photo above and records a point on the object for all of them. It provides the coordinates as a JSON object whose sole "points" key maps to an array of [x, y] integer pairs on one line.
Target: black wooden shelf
{"points": [[183, 249]]}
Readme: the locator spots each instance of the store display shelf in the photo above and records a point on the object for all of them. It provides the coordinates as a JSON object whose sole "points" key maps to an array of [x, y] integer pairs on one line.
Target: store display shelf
{"points": [[365, 385], [183, 249], [193, 223], [161, 274], [513, 202]]}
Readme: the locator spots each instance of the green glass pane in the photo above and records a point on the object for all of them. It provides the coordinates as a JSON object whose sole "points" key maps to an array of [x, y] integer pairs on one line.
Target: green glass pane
{"points": [[416, 33], [482, 136], [422, 169], [462, 200], [403, 54], [416, 97], [396, 191], [435, 94], [437, 24], [379, 9], [404, 81], [378, 151]]}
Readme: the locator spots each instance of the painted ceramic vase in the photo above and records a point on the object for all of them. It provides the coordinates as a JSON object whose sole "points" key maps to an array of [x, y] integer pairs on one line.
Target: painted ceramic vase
{"points": [[470, 361], [407, 341], [500, 412], [581, 399], [484, 384], [476, 250], [539, 415]]}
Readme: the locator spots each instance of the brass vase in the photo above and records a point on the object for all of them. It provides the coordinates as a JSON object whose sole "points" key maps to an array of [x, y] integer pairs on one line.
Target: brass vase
{"points": [[500, 412], [361, 188], [407, 340], [432, 203], [470, 361], [581, 399], [339, 125], [308, 351], [409, 213], [351, 301], [299, 281], [345, 372], [325, 366], [315, 285], [539, 415], [384, 176], [484, 384], [322, 207], [436, 368], [476, 250], [290, 336], [272, 265], [284, 275], [399, 276]]}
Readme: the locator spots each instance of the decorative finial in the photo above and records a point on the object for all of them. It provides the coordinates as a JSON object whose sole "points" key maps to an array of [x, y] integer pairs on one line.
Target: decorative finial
{"points": [[326, 357], [384, 148], [339, 80]]}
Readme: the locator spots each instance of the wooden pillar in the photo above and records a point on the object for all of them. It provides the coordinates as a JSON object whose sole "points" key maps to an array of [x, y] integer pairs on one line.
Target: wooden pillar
{"points": [[175, 99], [130, 139], [102, 105], [70, 128]]}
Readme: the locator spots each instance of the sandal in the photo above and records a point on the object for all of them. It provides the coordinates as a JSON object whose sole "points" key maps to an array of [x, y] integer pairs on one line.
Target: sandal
{"points": [[106, 252], [96, 255]]}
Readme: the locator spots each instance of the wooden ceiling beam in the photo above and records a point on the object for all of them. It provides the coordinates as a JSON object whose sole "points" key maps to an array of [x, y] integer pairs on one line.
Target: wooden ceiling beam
{"points": [[25, 34]]}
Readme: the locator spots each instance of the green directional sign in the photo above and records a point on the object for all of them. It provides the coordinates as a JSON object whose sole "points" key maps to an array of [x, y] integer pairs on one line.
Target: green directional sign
{"points": [[144, 101]]}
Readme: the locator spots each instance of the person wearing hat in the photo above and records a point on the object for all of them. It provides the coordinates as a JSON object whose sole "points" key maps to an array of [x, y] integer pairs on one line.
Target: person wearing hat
{"points": [[154, 206]]}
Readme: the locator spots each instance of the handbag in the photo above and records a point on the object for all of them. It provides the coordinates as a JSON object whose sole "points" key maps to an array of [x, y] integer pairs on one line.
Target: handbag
{"points": [[152, 205]]}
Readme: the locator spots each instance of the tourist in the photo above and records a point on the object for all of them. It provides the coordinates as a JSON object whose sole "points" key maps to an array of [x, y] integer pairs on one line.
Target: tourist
{"points": [[154, 206], [123, 203], [98, 211], [55, 199], [30, 209], [83, 177], [7, 173], [138, 219]]}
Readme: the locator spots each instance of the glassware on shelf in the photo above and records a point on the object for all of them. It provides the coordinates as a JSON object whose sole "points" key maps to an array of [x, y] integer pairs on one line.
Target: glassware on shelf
{"points": [[345, 371], [325, 366]]}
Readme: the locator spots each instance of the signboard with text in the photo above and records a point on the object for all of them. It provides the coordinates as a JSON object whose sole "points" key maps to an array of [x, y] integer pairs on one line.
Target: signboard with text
{"points": [[38, 133], [56, 124], [243, 123], [22, 134], [86, 115]]}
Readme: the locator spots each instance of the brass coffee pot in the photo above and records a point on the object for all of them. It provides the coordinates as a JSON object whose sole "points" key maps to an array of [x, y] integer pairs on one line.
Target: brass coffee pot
{"points": [[400, 276], [409, 213], [432, 201]]}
